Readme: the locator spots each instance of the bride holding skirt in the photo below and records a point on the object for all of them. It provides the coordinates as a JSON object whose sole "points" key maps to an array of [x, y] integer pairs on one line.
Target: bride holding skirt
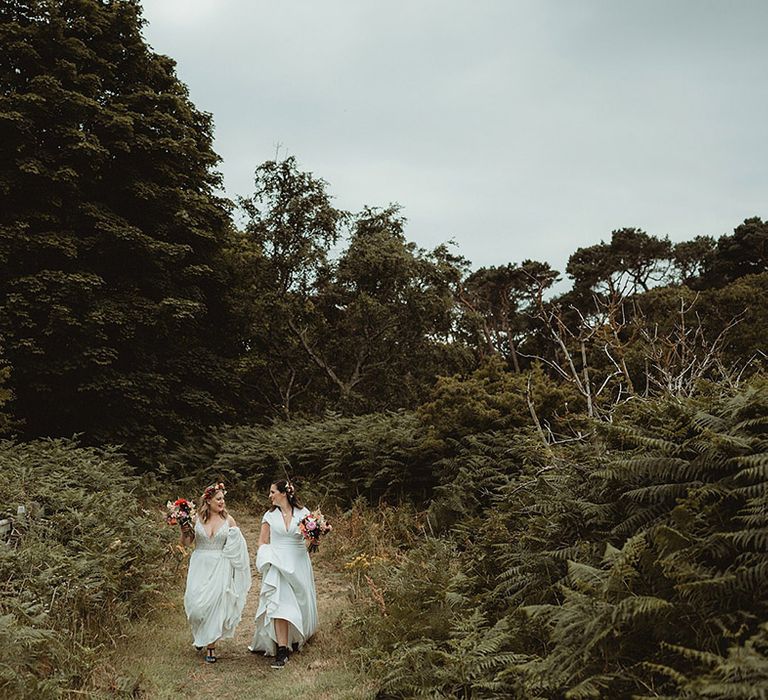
{"points": [[219, 575], [287, 614]]}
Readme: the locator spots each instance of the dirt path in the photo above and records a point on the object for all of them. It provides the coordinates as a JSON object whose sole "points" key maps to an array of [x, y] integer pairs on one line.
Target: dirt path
{"points": [[157, 660]]}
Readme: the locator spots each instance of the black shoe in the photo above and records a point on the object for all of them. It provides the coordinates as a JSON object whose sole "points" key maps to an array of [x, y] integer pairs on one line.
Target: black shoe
{"points": [[295, 647], [281, 658], [210, 655]]}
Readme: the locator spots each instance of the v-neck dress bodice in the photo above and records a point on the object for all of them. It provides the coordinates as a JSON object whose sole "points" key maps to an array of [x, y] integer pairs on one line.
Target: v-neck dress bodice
{"points": [[287, 584], [212, 543], [218, 581]]}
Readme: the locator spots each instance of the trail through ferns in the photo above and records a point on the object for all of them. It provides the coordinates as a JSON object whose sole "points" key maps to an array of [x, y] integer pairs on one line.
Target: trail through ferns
{"points": [[157, 660]]}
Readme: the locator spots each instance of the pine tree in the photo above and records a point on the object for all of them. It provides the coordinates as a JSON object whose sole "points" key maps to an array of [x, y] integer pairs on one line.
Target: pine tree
{"points": [[111, 234]]}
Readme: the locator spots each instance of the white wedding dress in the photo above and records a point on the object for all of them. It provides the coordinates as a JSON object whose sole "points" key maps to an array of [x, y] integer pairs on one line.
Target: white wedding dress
{"points": [[287, 584], [218, 582]]}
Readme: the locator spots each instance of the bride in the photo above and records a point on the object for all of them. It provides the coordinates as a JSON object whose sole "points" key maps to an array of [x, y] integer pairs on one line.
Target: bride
{"points": [[287, 613], [219, 575]]}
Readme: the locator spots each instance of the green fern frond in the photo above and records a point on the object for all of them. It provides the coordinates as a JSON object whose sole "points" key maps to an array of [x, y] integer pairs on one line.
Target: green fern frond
{"points": [[586, 577], [755, 468], [750, 539], [642, 466], [755, 512], [667, 671], [706, 421], [629, 609], [703, 657], [644, 518], [746, 425], [659, 493], [714, 588], [759, 490], [565, 553], [753, 578], [592, 687], [640, 439]]}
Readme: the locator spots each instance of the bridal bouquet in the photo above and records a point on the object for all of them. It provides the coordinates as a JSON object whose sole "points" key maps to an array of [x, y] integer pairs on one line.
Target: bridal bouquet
{"points": [[313, 527], [181, 511]]}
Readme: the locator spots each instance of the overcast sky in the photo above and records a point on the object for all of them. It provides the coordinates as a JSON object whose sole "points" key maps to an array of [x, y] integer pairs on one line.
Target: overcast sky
{"points": [[519, 129]]}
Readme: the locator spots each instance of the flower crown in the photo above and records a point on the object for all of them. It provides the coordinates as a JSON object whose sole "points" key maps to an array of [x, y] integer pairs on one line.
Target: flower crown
{"points": [[290, 489], [210, 491]]}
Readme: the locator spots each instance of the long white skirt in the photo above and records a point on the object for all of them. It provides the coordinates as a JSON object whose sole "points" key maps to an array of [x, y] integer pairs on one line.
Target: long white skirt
{"points": [[218, 581], [287, 593]]}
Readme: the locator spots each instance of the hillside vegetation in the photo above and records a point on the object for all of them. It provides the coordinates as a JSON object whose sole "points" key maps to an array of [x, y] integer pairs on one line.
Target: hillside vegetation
{"points": [[538, 493]]}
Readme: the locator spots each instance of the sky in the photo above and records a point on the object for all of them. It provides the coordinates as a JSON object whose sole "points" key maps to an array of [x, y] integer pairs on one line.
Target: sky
{"points": [[519, 129]]}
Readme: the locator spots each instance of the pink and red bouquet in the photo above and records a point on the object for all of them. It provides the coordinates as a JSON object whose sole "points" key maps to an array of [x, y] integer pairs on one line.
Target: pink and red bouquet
{"points": [[181, 512], [313, 527]]}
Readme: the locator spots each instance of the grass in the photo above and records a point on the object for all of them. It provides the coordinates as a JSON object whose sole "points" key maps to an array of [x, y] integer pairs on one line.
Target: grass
{"points": [[156, 659]]}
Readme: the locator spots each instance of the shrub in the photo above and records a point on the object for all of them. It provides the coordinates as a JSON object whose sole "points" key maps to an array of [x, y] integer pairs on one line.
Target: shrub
{"points": [[632, 565], [82, 562], [376, 456]]}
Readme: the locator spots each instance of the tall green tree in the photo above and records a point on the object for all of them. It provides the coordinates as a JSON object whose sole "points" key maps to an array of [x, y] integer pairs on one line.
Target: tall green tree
{"points": [[630, 263], [745, 252], [359, 326], [382, 322], [111, 290], [291, 227], [498, 304], [692, 258]]}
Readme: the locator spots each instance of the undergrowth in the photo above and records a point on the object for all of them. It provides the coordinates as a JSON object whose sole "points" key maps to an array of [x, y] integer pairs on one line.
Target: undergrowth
{"points": [[631, 565], [84, 560]]}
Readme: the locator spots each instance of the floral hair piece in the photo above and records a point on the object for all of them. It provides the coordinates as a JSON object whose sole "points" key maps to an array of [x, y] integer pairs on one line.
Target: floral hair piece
{"points": [[210, 491], [289, 488]]}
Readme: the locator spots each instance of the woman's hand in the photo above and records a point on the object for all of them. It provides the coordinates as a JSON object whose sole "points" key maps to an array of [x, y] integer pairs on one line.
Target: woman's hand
{"points": [[187, 534]]}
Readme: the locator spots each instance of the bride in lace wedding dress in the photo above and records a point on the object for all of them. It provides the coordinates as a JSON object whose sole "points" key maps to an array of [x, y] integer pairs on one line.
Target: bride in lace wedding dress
{"points": [[219, 575]]}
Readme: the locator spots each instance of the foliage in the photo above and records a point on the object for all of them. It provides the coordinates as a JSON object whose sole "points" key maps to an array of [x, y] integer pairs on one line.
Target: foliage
{"points": [[111, 234], [83, 562], [492, 398], [745, 252], [383, 318], [290, 228], [496, 304], [733, 307], [377, 456], [5, 396], [631, 262], [632, 563], [366, 330]]}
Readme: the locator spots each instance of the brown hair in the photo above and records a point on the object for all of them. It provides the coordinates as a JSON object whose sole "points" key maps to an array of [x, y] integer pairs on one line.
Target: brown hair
{"points": [[289, 489]]}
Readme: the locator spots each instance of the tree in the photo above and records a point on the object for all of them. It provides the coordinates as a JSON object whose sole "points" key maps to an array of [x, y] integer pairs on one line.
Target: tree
{"points": [[631, 262], [368, 328], [497, 305], [290, 229], [692, 258], [111, 235], [743, 253], [381, 322]]}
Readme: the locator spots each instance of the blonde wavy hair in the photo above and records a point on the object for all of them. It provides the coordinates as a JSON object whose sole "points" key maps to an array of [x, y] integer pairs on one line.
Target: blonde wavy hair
{"points": [[204, 511]]}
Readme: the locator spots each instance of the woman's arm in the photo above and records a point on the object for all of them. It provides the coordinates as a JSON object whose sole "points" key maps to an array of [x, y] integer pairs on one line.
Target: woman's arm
{"points": [[264, 535], [187, 536], [231, 521]]}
